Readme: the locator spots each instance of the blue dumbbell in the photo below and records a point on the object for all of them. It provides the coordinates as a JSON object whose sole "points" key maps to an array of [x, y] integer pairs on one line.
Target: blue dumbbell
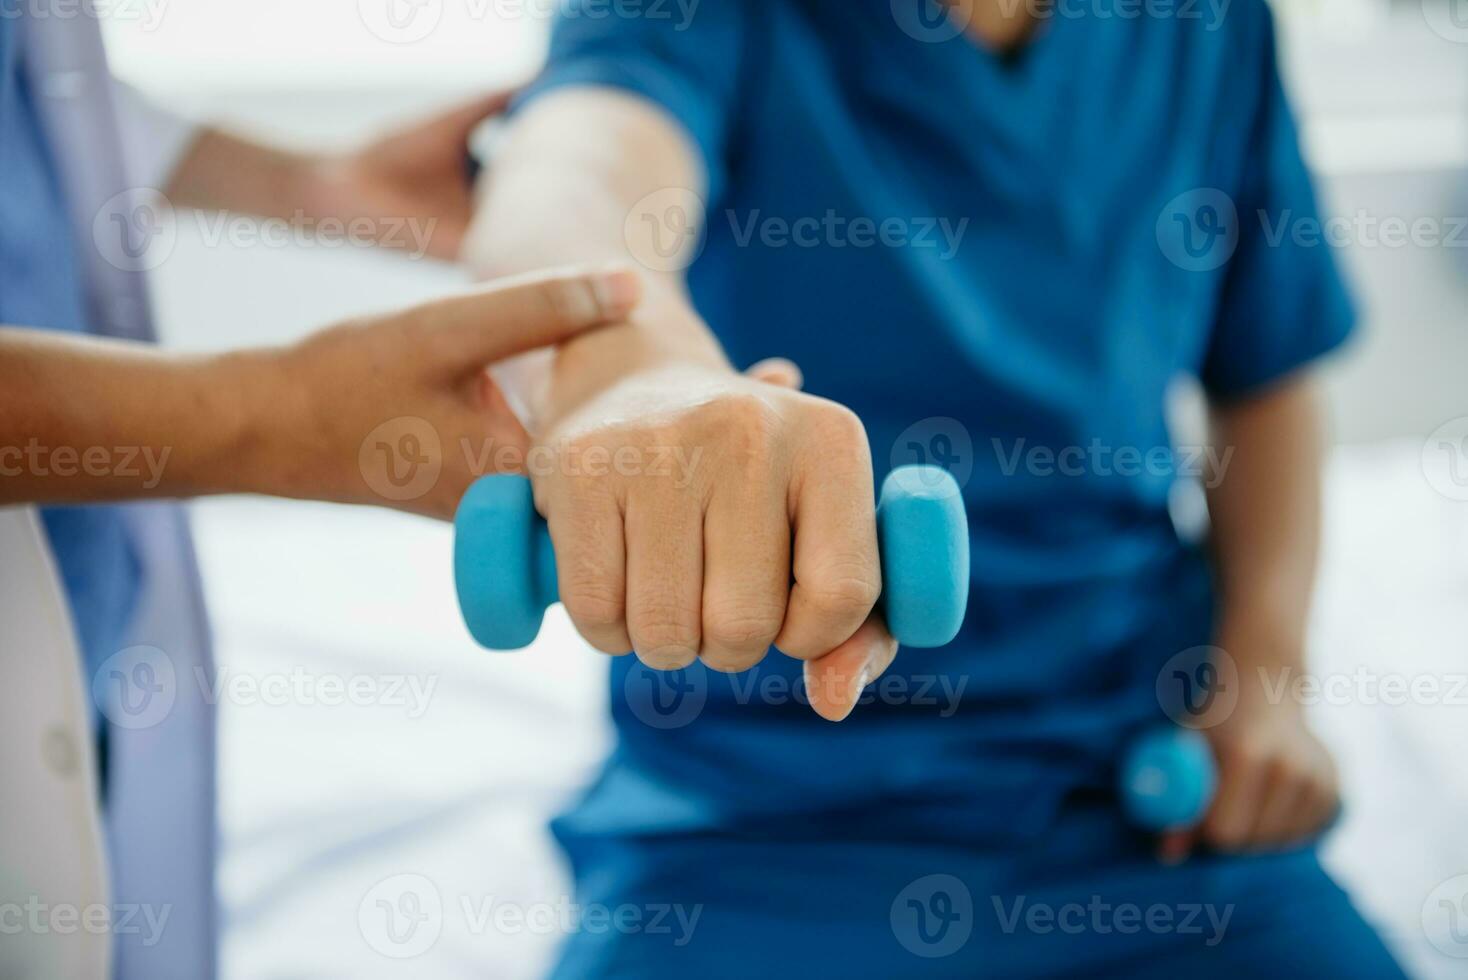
{"points": [[505, 567], [1168, 779]]}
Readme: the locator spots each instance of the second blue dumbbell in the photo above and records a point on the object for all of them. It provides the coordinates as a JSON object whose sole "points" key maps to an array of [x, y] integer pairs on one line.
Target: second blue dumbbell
{"points": [[505, 566], [1168, 779]]}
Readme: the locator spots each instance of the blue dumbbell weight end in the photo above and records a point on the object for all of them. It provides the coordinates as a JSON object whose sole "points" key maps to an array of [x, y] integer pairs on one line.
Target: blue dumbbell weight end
{"points": [[1168, 779], [505, 567]]}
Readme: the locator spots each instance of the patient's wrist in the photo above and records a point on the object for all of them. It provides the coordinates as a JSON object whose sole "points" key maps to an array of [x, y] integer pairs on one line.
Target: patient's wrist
{"points": [[665, 334]]}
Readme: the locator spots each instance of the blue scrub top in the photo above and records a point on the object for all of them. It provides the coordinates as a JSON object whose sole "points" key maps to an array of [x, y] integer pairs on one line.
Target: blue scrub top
{"points": [[1059, 235], [41, 285]]}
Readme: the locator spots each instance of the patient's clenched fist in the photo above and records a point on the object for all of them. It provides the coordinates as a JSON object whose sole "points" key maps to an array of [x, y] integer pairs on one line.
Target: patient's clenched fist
{"points": [[699, 513], [1277, 783]]}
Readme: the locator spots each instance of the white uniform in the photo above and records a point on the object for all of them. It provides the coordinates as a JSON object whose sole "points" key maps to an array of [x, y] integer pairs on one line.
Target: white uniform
{"points": [[148, 859]]}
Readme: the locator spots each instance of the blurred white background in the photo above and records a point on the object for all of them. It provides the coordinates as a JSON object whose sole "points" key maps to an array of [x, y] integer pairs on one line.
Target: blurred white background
{"points": [[320, 803]]}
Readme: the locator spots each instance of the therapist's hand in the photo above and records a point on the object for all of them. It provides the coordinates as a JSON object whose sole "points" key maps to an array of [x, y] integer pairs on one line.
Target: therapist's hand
{"points": [[416, 172], [399, 410], [409, 189]]}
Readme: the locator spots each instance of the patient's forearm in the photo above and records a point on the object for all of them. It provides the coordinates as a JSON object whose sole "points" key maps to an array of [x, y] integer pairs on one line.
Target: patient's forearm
{"points": [[567, 172], [1265, 509], [565, 186], [1276, 784]]}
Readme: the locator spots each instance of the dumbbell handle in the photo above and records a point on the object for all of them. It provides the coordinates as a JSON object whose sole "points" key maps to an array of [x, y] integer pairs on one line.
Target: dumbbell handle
{"points": [[505, 565]]}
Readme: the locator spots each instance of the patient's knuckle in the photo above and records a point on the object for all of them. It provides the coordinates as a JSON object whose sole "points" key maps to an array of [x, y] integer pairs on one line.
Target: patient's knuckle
{"points": [[747, 427], [746, 410], [593, 603], [733, 661], [838, 427], [664, 628], [748, 627], [846, 588]]}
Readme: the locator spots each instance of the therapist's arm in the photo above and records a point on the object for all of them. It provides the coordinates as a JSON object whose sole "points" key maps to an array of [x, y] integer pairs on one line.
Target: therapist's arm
{"points": [[771, 486], [1277, 782], [409, 189], [393, 410]]}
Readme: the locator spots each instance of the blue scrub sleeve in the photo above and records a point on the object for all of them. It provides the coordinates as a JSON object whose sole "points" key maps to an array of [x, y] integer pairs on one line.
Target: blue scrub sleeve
{"points": [[1283, 302], [686, 58]]}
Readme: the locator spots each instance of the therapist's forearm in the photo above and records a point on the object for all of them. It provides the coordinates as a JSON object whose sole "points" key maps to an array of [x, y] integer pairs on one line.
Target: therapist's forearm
{"points": [[347, 414], [97, 420], [224, 172], [565, 186], [1265, 510]]}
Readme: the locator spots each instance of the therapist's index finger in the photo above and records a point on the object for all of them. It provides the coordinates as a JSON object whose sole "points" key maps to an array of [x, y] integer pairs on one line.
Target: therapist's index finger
{"points": [[510, 316]]}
